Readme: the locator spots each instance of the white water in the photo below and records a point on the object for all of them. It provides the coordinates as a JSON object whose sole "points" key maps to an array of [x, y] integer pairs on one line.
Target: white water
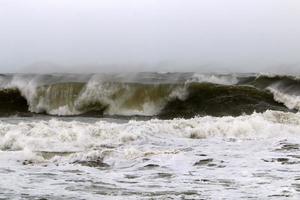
{"points": [[252, 156]]}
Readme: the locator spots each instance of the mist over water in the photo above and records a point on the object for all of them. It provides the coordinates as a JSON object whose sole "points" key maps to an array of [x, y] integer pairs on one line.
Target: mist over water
{"points": [[100, 36]]}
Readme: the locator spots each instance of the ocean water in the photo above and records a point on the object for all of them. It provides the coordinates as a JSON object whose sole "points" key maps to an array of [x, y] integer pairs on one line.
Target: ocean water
{"points": [[149, 136]]}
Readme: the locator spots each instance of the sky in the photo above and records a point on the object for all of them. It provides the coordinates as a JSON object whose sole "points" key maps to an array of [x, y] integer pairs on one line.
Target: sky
{"points": [[83, 36]]}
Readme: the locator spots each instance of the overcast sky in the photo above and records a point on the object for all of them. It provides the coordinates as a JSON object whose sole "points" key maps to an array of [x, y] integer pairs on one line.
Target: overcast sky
{"points": [[149, 35]]}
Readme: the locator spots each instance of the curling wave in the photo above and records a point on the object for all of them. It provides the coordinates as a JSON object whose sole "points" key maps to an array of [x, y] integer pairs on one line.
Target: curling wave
{"points": [[167, 95]]}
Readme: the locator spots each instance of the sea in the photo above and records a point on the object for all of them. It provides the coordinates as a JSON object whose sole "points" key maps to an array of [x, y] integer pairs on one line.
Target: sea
{"points": [[149, 136]]}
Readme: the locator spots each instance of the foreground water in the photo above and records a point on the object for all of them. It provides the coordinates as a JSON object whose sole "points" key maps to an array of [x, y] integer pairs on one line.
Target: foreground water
{"points": [[253, 156]]}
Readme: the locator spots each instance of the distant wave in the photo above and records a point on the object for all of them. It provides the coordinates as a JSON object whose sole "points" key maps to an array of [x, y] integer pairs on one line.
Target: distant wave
{"points": [[168, 95]]}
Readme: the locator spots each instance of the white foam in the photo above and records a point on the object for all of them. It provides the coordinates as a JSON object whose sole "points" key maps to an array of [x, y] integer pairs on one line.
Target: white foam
{"points": [[56, 135], [146, 158], [63, 111]]}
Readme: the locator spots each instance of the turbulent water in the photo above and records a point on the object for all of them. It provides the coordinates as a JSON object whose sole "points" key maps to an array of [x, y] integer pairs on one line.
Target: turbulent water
{"points": [[149, 136]]}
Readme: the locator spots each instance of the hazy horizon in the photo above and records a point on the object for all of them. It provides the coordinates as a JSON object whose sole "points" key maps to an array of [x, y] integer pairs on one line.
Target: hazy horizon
{"points": [[166, 36]]}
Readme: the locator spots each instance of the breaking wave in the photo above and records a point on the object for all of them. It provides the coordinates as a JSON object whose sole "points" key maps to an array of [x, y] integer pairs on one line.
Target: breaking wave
{"points": [[168, 95]]}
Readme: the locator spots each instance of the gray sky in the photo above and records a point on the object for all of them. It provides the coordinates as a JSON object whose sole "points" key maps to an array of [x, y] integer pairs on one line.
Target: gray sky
{"points": [[149, 35]]}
